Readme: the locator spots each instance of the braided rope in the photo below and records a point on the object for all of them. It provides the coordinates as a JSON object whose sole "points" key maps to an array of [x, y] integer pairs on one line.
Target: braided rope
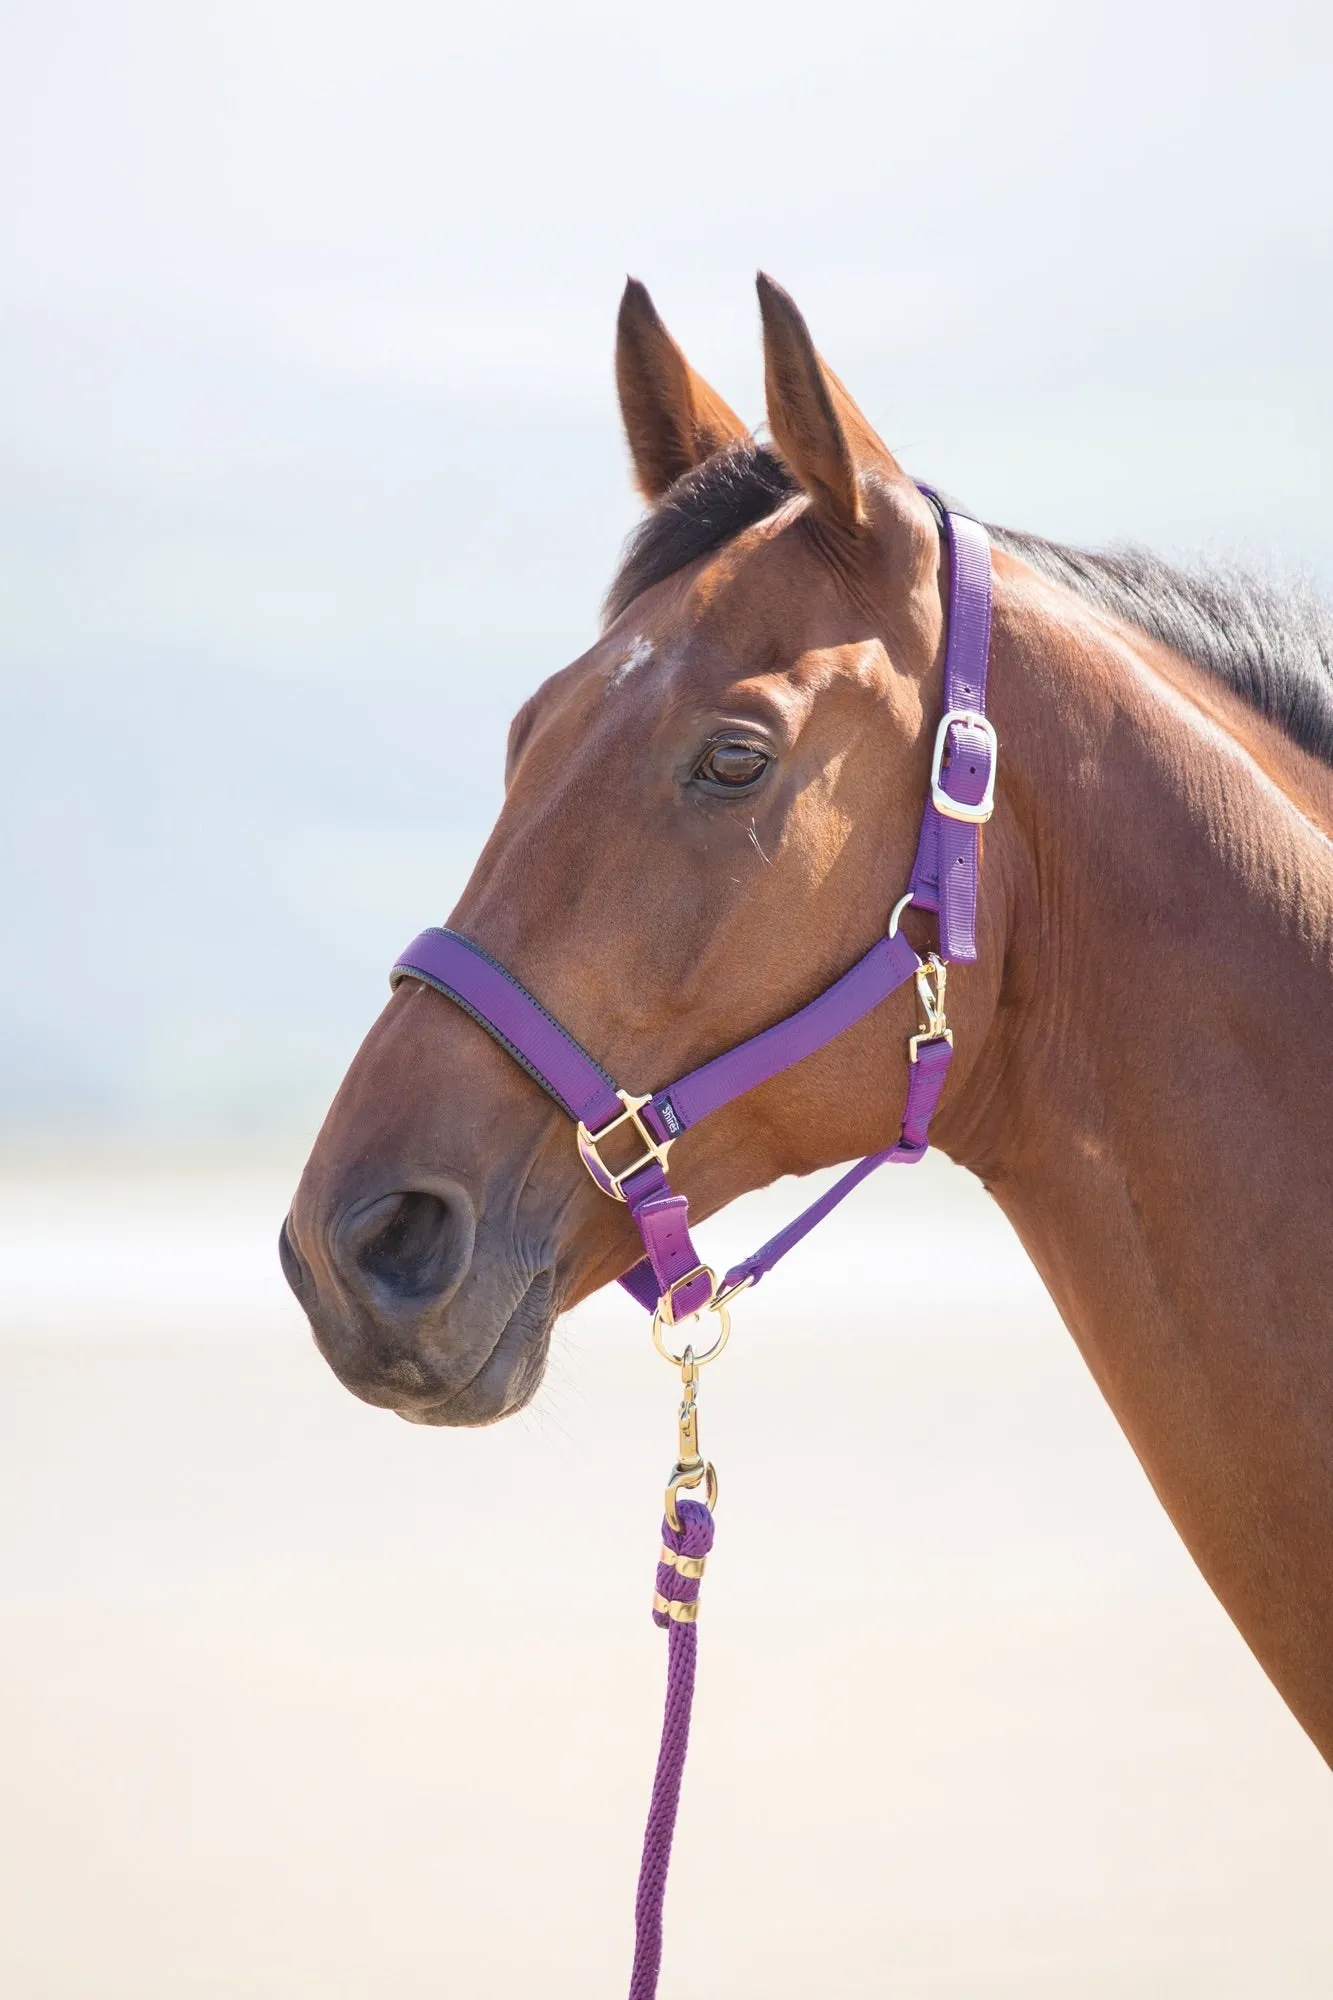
{"points": [[677, 1591]]}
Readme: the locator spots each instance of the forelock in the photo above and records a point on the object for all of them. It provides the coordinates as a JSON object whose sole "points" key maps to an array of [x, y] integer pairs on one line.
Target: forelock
{"points": [[709, 507]]}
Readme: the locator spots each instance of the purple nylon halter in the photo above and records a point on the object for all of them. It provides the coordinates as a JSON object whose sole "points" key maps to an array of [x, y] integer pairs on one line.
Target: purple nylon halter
{"points": [[671, 1277], [671, 1280]]}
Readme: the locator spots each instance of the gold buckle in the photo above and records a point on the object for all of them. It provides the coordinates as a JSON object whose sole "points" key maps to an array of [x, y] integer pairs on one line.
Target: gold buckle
{"points": [[666, 1305], [931, 979], [589, 1142]]}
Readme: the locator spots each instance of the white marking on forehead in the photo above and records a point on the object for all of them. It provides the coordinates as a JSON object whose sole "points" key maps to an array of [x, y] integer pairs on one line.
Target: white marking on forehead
{"points": [[639, 654]]}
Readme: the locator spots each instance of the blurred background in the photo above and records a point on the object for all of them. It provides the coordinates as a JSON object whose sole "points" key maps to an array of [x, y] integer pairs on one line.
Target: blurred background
{"points": [[311, 470]]}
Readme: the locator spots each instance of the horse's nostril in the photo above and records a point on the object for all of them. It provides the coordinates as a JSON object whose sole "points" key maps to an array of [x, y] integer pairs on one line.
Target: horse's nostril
{"points": [[411, 1245], [293, 1269]]}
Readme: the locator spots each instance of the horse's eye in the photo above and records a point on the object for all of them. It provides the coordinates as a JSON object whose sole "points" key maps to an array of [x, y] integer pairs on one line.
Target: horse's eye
{"points": [[733, 765]]}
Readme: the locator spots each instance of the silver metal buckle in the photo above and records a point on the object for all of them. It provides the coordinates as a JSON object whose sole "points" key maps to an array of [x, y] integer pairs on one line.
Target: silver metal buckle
{"points": [[978, 814]]}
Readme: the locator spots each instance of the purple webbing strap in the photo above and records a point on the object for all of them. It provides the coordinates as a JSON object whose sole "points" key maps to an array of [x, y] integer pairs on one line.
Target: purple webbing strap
{"points": [[663, 1217], [925, 1082], [646, 1283], [946, 869], [695, 1539], [889, 961], [673, 1265], [466, 974]]}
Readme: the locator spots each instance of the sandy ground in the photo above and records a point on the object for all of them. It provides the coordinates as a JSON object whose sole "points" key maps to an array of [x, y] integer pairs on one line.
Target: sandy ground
{"points": [[298, 1701]]}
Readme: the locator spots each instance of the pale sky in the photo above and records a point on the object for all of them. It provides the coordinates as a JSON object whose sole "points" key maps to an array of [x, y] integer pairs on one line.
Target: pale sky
{"points": [[311, 467]]}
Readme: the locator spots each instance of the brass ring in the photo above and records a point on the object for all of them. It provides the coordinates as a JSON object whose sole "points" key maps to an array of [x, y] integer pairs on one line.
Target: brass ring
{"points": [[710, 1353]]}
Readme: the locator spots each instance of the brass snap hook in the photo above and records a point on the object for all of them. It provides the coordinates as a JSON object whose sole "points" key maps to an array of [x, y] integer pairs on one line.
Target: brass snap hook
{"points": [[683, 1478], [691, 1468], [932, 977]]}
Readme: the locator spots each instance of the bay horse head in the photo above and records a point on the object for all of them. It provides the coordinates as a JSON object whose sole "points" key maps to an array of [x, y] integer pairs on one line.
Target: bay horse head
{"points": [[707, 818], [713, 814]]}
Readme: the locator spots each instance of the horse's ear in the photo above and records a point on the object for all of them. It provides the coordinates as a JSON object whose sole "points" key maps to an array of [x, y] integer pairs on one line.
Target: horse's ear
{"points": [[673, 420], [815, 424]]}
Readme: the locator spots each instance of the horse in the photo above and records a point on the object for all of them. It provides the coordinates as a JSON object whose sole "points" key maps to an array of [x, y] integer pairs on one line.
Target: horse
{"points": [[708, 817]]}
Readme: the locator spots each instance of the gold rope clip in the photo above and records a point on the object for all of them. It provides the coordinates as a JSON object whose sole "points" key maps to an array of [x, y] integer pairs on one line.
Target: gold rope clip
{"points": [[683, 1565], [670, 1607]]}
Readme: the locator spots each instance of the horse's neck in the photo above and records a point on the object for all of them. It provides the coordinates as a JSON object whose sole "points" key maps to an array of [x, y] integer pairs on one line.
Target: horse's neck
{"points": [[1154, 1110]]}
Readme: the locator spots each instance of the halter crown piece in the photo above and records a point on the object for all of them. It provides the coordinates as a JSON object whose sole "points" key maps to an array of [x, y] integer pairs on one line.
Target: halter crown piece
{"points": [[671, 1281]]}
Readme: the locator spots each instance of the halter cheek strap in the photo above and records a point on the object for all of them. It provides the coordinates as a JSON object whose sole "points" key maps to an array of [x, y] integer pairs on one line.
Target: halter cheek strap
{"points": [[946, 871], [671, 1279]]}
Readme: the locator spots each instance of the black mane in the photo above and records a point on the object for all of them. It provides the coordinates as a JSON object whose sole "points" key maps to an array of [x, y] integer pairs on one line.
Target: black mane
{"points": [[709, 506], [1273, 647]]}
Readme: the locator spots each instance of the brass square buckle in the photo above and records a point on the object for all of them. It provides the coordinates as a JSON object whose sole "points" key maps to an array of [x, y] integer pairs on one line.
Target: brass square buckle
{"points": [[589, 1143], [666, 1305], [951, 808]]}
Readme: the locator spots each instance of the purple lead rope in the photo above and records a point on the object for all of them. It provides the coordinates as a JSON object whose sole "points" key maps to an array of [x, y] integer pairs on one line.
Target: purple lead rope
{"points": [[676, 1607], [671, 1280]]}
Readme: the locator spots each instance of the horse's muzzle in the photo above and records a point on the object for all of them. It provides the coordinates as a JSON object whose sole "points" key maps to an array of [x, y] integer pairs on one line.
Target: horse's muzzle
{"points": [[411, 1313]]}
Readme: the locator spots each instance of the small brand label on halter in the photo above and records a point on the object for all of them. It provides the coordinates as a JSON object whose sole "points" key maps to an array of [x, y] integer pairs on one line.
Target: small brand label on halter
{"points": [[668, 1117]]}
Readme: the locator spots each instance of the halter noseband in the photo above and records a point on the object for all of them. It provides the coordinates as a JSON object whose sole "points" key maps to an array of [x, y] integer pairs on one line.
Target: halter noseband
{"points": [[671, 1281]]}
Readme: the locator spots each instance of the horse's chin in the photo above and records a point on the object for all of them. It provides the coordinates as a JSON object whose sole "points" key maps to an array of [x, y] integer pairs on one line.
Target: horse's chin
{"points": [[413, 1378], [507, 1380]]}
